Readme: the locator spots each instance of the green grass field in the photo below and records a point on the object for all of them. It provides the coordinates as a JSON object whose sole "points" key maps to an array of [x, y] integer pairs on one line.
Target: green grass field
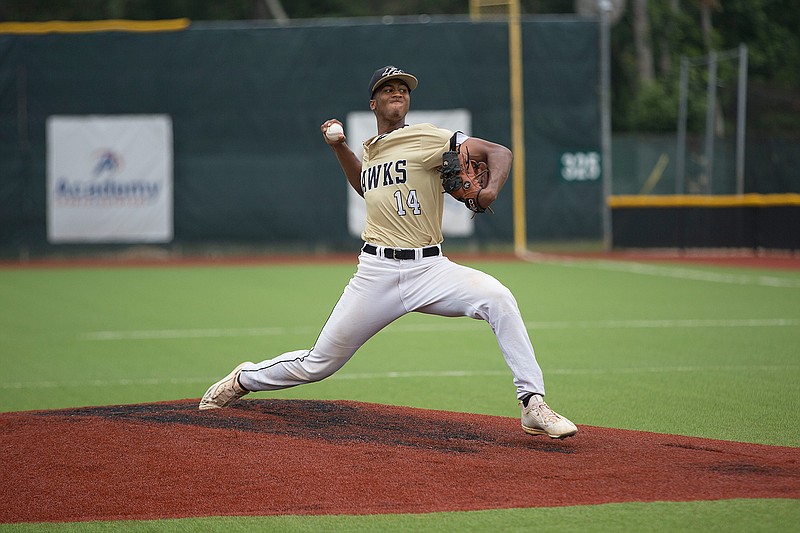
{"points": [[691, 350]]}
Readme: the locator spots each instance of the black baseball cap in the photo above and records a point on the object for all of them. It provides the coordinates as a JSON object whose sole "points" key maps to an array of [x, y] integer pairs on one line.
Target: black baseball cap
{"points": [[390, 72]]}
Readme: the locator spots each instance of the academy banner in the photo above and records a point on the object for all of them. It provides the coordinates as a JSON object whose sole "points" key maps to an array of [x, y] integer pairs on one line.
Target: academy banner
{"points": [[109, 179]]}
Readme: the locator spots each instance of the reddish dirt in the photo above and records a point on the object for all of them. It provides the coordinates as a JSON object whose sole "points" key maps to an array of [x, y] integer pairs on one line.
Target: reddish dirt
{"points": [[274, 457]]}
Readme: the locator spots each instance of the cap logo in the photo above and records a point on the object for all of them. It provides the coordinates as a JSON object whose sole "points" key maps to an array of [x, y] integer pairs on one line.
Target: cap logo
{"points": [[391, 71]]}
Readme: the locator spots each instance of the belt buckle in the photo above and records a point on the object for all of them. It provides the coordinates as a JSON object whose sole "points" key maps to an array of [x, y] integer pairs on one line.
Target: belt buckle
{"points": [[401, 254]]}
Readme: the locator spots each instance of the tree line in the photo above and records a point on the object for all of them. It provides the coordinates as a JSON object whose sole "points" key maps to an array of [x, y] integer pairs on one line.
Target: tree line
{"points": [[648, 39]]}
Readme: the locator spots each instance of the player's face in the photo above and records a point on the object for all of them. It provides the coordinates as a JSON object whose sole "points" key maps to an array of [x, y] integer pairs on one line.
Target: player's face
{"points": [[391, 100]]}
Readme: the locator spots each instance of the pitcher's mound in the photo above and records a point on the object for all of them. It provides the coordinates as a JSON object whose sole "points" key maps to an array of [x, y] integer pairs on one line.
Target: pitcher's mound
{"points": [[270, 457]]}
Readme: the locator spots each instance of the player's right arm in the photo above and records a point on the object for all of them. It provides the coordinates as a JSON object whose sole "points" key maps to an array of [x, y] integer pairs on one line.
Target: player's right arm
{"points": [[351, 166]]}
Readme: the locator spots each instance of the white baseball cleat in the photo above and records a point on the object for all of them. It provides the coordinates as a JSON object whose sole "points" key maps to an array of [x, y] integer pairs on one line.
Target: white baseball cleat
{"points": [[225, 391], [539, 419]]}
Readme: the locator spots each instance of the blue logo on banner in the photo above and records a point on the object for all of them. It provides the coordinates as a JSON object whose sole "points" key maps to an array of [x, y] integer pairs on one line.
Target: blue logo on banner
{"points": [[108, 162]]}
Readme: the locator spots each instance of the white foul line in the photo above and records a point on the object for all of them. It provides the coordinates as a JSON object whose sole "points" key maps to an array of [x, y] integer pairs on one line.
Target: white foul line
{"points": [[436, 374], [437, 327], [666, 271], [192, 333]]}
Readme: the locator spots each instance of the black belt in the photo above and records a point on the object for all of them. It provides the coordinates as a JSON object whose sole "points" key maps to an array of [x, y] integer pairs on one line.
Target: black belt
{"points": [[392, 253]]}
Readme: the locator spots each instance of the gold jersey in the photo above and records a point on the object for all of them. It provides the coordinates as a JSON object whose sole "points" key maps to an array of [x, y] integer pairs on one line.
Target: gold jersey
{"points": [[402, 188]]}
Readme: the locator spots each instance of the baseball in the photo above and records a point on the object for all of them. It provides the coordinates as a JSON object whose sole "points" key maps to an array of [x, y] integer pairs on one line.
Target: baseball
{"points": [[334, 131]]}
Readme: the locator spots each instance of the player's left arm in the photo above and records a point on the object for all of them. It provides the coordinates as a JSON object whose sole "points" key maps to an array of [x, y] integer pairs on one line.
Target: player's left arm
{"points": [[498, 158]]}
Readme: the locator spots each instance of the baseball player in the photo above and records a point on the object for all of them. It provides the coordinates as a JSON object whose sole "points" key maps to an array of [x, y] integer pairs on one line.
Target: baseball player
{"points": [[401, 267]]}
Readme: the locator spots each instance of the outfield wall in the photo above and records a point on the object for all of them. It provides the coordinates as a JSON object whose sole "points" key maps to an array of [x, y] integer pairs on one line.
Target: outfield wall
{"points": [[768, 221], [245, 102]]}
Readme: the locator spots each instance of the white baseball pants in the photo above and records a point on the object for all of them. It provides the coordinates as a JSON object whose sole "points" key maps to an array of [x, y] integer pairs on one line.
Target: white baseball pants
{"points": [[381, 291]]}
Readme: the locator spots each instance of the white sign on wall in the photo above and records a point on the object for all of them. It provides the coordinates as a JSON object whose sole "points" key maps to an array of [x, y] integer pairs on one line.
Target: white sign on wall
{"points": [[109, 179], [360, 126], [580, 166]]}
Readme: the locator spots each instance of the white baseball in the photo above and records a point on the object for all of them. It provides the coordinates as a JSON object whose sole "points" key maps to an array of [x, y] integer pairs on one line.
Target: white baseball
{"points": [[334, 131]]}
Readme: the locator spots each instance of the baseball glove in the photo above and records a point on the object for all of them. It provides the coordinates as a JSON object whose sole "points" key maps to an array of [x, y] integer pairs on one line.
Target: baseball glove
{"points": [[463, 178]]}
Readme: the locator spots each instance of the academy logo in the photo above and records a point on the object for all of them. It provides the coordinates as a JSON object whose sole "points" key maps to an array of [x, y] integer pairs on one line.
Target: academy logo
{"points": [[108, 163], [105, 183]]}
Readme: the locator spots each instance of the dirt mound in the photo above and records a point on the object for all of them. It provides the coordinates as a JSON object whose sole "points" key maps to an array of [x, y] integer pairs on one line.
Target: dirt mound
{"points": [[270, 457]]}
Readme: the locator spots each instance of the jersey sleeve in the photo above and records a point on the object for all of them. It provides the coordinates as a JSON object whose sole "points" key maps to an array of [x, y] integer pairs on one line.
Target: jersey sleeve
{"points": [[437, 143], [433, 143]]}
